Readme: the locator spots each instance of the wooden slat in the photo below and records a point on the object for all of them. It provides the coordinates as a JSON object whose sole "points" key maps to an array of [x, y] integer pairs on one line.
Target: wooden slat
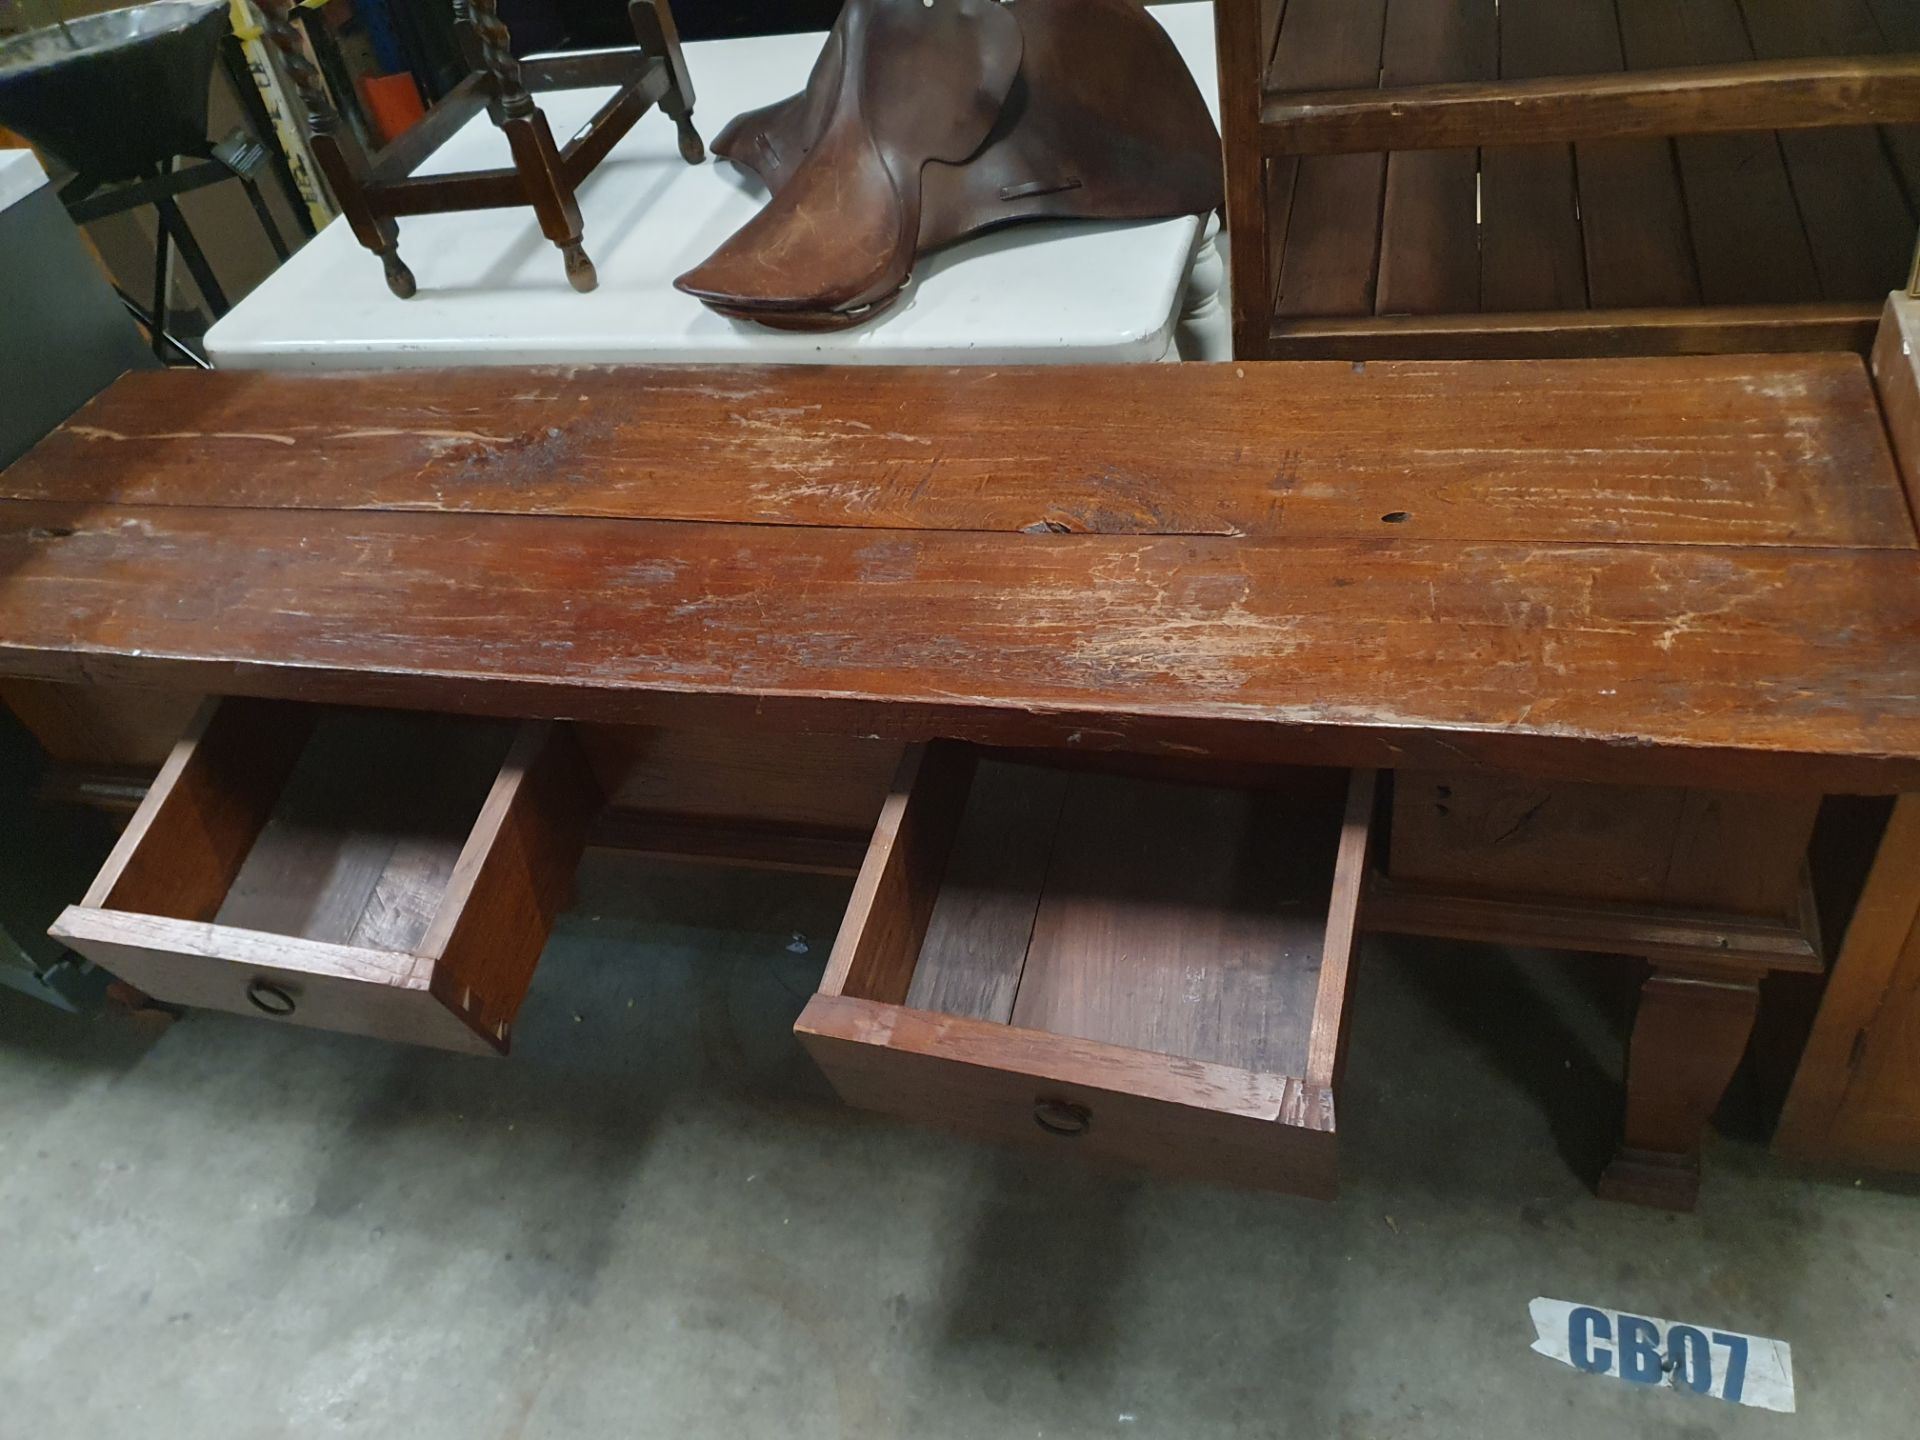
{"points": [[1430, 223], [1242, 37], [1333, 219], [1554, 334], [976, 943], [1858, 221], [1714, 944], [1710, 665], [1749, 244], [1632, 217], [1643, 451], [1531, 254], [1677, 98]]}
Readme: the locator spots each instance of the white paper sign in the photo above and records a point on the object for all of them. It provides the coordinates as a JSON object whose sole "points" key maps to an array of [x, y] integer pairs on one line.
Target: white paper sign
{"points": [[1646, 1350]]}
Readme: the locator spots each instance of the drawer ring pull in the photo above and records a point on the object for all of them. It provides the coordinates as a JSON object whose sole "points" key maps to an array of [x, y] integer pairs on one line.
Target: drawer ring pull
{"points": [[1062, 1117], [269, 998]]}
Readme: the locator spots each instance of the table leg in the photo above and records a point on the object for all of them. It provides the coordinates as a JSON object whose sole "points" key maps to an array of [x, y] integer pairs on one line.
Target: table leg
{"points": [[1205, 330], [1688, 1038]]}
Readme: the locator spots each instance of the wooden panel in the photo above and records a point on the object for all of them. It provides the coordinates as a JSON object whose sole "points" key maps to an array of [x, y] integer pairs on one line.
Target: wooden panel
{"points": [[1552, 335], [366, 829], [1771, 668], [1531, 253], [1712, 850], [1185, 920], [1879, 1119], [976, 943], [1857, 219], [1741, 853], [1508, 834], [1333, 220], [1430, 224], [1175, 1117], [100, 724], [879, 943], [1630, 211], [1634, 221], [1856, 1095], [821, 782], [1896, 378], [1683, 99], [192, 833], [512, 878], [1667, 450], [1748, 240]]}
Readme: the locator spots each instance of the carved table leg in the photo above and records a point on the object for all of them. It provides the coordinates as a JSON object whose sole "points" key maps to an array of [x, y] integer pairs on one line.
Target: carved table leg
{"points": [[1688, 1038], [337, 152], [535, 155]]}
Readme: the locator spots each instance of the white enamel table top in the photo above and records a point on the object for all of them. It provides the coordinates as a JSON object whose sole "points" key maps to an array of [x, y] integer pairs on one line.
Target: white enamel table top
{"points": [[20, 176]]}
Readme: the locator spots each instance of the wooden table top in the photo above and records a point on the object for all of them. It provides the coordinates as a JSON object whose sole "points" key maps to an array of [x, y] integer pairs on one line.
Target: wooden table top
{"points": [[1701, 570]]}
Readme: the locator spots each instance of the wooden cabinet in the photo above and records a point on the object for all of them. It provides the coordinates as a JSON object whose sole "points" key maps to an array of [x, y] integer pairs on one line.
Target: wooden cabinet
{"points": [[389, 874], [1147, 971]]}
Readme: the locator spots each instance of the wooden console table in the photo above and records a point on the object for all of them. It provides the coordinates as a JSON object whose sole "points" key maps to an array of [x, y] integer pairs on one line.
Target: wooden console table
{"points": [[1138, 600]]}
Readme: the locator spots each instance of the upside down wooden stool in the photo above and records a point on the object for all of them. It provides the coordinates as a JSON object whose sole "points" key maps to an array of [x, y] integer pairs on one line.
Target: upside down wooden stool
{"points": [[1128, 697], [373, 192]]}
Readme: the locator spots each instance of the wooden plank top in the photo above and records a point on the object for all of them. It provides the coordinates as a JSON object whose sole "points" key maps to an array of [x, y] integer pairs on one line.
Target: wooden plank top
{"points": [[1702, 569], [1751, 450]]}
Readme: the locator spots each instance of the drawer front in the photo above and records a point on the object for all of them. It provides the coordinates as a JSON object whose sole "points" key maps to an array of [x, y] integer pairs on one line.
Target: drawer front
{"points": [[949, 883], [276, 977], [1184, 1118], [393, 876]]}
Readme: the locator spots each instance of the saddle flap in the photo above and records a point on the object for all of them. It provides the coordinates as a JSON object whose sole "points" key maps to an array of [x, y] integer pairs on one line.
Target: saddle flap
{"points": [[917, 81]]}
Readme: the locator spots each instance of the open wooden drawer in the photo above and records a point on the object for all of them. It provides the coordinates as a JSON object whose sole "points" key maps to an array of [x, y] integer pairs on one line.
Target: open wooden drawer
{"points": [[1148, 971], [384, 873]]}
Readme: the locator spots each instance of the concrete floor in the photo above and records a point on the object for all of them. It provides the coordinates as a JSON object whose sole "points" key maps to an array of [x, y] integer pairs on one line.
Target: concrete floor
{"points": [[653, 1221]]}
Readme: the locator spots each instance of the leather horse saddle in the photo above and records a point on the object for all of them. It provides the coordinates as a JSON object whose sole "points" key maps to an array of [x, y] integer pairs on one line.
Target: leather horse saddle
{"points": [[925, 121]]}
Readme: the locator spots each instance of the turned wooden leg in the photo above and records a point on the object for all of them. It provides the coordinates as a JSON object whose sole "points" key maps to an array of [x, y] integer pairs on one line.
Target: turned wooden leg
{"points": [[654, 27], [338, 153], [1688, 1038], [538, 160]]}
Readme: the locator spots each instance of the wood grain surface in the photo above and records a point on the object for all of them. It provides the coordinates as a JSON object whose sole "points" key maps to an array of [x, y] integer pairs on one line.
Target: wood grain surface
{"points": [[1590, 568], [1676, 449], [1681, 100]]}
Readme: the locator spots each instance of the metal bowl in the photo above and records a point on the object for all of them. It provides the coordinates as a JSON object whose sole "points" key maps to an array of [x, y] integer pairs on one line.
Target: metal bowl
{"points": [[115, 94]]}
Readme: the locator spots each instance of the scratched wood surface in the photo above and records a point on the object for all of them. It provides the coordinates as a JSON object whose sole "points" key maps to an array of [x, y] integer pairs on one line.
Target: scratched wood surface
{"points": [[1698, 646], [1745, 449]]}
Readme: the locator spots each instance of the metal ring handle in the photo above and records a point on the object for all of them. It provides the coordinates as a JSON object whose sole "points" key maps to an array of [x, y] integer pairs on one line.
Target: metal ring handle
{"points": [[269, 998], [1062, 1117]]}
